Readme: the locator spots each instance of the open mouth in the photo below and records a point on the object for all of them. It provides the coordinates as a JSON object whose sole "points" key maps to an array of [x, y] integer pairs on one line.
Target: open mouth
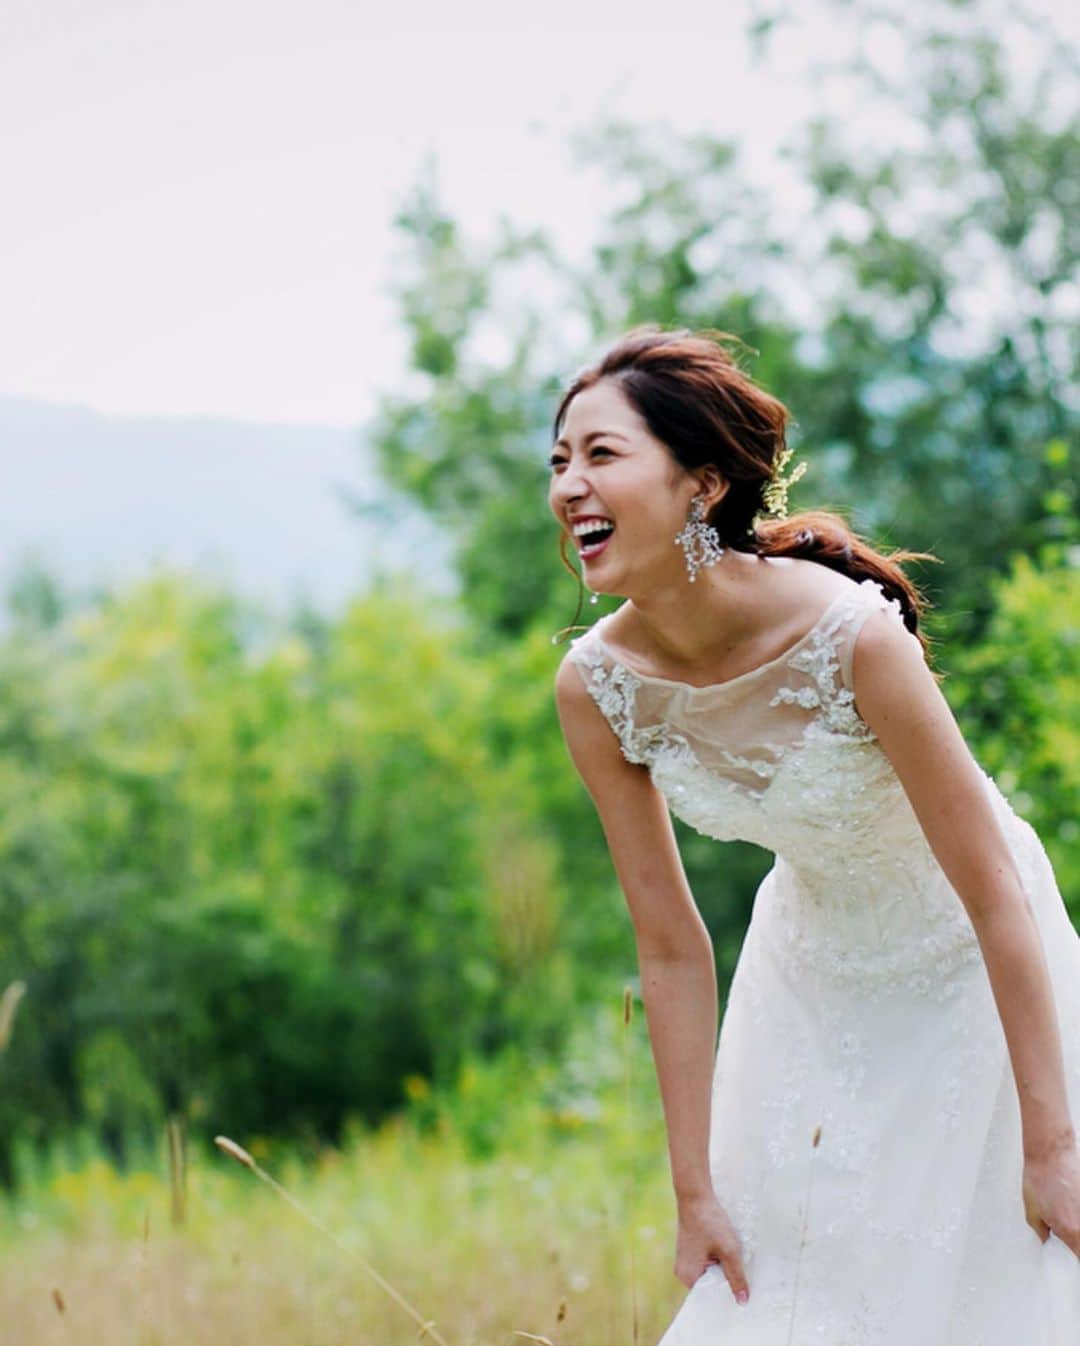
{"points": [[593, 539]]}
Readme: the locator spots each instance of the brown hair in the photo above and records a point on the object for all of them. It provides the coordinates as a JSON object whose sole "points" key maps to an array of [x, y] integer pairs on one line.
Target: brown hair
{"points": [[705, 409]]}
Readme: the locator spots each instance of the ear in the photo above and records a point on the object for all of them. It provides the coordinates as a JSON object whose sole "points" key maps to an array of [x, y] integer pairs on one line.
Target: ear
{"points": [[714, 486]]}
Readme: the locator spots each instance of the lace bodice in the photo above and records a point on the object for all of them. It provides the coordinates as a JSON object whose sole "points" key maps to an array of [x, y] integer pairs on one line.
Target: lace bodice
{"points": [[775, 747], [779, 756]]}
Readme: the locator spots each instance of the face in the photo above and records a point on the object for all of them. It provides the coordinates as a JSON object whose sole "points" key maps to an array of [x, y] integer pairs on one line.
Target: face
{"points": [[621, 495]]}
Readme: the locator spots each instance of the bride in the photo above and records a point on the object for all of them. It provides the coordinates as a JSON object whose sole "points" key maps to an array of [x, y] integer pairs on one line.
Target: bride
{"points": [[881, 1148]]}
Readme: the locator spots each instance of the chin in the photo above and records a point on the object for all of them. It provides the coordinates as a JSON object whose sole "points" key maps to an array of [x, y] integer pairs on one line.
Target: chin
{"points": [[604, 590]]}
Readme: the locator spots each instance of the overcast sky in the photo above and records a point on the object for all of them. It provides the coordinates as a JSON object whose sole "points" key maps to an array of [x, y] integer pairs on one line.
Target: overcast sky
{"points": [[198, 197]]}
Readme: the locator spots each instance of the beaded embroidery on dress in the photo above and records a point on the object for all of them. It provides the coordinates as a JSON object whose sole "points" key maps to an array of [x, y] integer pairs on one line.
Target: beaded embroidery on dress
{"points": [[860, 1012]]}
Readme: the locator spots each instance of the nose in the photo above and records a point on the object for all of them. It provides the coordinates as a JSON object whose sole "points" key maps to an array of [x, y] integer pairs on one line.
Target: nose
{"points": [[567, 486]]}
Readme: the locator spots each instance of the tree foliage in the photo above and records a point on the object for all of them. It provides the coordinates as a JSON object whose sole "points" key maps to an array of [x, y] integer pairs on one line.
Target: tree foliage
{"points": [[1018, 697], [260, 883], [912, 299]]}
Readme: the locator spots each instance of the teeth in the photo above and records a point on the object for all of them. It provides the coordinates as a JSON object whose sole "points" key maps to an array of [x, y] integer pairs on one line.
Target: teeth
{"points": [[592, 526]]}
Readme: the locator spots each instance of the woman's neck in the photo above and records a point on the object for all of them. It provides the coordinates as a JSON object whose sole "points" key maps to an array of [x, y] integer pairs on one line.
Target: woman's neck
{"points": [[722, 611]]}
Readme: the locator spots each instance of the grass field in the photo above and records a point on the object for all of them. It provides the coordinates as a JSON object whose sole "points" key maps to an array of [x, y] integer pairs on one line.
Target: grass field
{"points": [[532, 1202]]}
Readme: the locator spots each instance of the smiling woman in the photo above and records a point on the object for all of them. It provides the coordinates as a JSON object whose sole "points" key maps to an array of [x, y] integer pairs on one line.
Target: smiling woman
{"points": [[641, 439], [881, 1150]]}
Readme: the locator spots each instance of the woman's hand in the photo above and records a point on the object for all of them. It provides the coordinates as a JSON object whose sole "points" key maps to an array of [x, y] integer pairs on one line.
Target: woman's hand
{"points": [[706, 1236], [1052, 1196]]}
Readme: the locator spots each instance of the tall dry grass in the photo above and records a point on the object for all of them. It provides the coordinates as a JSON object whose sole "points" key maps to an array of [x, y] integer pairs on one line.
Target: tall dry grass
{"points": [[564, 1233], [9, 1003]]}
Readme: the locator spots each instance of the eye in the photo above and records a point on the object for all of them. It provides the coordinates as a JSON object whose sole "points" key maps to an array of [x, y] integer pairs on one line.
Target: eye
{"points": [[557, 461]]}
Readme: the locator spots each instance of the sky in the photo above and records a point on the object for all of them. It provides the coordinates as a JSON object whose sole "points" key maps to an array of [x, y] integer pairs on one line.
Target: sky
{"points": [[199, 197]]}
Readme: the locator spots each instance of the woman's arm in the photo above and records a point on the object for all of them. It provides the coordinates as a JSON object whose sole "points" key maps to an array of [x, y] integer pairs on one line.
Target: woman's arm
{"points": [[676, 962], [897, 697], [675, 956]]}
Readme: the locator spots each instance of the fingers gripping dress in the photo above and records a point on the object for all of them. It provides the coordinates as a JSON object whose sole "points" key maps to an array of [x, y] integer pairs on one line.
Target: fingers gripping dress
{"points": [[860, 1014]]}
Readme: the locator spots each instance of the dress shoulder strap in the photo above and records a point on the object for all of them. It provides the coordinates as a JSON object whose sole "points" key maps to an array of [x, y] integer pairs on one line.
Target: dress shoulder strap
{"points": [[612, 686], [586, 651], [871, 598]]}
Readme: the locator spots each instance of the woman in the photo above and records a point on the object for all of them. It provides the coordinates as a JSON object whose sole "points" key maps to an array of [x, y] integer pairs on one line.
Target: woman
{"points": [[883, 1150]]}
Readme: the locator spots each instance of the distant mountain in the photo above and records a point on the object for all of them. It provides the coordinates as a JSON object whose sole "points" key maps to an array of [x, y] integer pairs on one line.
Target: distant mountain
{"points": [[100, 499]]}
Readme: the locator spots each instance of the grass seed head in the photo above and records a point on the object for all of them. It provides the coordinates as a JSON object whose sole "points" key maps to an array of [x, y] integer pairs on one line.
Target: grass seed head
{"points": [[8, 1003], [237, 1151]]}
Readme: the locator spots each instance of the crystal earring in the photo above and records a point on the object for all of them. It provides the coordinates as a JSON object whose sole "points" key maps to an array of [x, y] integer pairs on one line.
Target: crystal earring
{"points": [[699, 540]]}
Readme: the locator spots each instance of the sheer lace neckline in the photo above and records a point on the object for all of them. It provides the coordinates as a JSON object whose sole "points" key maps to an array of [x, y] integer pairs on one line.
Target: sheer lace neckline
{"points": [[727, 682]]}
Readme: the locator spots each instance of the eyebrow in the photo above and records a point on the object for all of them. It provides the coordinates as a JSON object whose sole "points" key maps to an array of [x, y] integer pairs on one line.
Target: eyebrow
{"points": [[593, 434]]}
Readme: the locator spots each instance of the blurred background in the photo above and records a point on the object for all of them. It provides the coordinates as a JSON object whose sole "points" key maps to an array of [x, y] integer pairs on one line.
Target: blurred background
{"points": [[290, 847]]}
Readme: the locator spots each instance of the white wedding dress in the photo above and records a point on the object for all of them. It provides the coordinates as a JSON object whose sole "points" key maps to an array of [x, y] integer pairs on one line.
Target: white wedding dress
{"points": [[860, 1015]]}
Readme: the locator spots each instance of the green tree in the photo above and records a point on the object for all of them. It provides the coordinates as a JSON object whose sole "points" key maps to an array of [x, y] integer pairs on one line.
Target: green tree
{"points": [[1018, 698], [256, 881], [916, 317]]}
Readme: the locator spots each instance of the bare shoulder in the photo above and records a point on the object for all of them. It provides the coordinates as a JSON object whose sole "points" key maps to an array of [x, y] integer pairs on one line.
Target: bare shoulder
{"points": [[792, 598], [812, 585], [890, 677], [576, 707], [789, 585], [570, 686]]}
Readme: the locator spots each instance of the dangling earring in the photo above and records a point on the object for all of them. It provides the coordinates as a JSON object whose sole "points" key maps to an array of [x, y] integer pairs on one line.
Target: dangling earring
{"points": [[699, 540], [594, 598]]}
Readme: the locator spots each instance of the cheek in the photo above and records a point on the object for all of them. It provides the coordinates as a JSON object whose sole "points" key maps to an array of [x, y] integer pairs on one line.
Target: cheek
{"points": [[647, 516]]}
